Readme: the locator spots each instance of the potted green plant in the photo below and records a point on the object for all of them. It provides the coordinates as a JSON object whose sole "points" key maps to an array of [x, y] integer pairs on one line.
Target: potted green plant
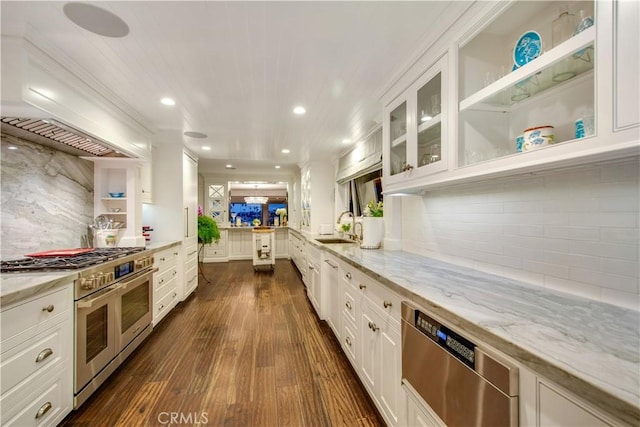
{"points": [[373, 226], [208, 231]]}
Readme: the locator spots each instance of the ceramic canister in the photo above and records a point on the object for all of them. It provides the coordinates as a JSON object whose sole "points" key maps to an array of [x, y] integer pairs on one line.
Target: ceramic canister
{"points": [[537, 137]]}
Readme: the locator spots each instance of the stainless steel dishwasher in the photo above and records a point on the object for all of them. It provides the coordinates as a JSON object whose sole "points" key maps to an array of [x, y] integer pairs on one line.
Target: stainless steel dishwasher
{"points": [[460, 381]]}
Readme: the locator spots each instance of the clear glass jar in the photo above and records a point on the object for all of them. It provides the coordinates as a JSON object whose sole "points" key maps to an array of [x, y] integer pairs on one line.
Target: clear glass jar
{"points": [[563, 29]]}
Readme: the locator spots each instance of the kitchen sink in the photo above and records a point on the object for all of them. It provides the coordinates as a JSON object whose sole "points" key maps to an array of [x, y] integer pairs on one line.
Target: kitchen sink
{"points": [[333, 240]]}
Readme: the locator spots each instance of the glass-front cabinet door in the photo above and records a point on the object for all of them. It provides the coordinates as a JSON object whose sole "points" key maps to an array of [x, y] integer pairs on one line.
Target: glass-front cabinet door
{"points": [[414, 129]]}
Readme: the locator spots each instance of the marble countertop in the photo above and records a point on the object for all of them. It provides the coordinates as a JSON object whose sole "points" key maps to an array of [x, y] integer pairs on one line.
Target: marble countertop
{"points": [[15, 287], [588, 347]]}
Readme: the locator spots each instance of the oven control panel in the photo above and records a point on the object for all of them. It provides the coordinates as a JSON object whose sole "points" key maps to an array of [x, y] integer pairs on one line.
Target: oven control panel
{"points": [[458, 346], [96, 280]]}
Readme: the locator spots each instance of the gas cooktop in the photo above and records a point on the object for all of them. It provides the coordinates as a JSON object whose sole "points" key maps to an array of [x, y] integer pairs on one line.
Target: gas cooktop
{"points": [[74, 262]]}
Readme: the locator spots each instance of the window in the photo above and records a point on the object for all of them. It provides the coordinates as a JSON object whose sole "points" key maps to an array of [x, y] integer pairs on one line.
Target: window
{"points": [[247, 212]]}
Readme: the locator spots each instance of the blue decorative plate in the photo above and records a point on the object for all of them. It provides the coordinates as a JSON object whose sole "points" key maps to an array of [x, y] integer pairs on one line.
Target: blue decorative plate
{"points": [[527, 48]]}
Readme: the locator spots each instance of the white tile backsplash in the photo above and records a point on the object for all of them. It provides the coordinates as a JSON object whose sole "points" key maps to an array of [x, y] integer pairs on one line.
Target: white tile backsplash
{"points": [[575, 230]]}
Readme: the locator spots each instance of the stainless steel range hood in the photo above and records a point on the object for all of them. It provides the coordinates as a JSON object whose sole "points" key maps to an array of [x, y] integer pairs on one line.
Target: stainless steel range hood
{"points": [[59, 136]]}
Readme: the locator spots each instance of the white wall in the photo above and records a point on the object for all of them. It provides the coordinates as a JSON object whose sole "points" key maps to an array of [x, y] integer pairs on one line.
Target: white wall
{"points": [[573, 230]]}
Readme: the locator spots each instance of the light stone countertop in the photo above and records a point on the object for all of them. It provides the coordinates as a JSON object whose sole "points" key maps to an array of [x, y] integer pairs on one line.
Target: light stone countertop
{"points": [[588, 347], [15, 287]]}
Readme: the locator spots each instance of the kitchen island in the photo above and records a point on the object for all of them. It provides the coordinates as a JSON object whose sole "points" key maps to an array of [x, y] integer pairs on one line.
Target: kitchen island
{"points": [[588, 347]]}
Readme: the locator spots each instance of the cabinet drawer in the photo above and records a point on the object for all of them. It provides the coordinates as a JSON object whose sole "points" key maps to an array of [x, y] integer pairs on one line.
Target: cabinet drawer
{"points": [[349, 308], [23, 321], [161, 280], [381, 297], [165, 304], [166, 259], [37, 353], [351, 276], [47, 407], [349, 341]]}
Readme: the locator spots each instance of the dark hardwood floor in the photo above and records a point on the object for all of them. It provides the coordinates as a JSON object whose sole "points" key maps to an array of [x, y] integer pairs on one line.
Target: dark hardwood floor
{"points": [[245, 350]]}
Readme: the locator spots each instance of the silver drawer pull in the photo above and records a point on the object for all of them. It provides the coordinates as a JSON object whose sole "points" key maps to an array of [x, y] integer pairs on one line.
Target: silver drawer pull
{"points": [[348, 276], [348, 304], [387, 304], [43, 410], [311, 267], [373, 326], [162, 259], [48, 308], [161, 281], [161, 307], [175, 295], [361, 286], [191, 253], [348, 341], [43, 355]]}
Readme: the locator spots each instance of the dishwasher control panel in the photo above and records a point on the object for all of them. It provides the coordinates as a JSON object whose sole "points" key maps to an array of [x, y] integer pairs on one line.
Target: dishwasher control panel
{"points": [[458, 346]]}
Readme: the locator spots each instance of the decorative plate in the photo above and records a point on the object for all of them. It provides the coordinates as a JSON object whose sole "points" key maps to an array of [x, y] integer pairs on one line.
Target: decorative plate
{"points": [[527, 48]]}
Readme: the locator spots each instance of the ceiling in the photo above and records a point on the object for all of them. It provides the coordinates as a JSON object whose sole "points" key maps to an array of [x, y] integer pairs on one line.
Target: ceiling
{"points": [[237, 69]]}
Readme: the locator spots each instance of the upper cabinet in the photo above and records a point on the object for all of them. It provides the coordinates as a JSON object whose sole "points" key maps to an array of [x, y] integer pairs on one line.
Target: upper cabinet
{"points": [[530, 89], [414, 125]]}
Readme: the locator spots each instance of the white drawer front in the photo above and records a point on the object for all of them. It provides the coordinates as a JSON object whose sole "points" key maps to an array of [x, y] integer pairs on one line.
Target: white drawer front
{"points": [[46, 408], [381, 297], [162, 280], [35, 354], [166, 259], [23, 321]]}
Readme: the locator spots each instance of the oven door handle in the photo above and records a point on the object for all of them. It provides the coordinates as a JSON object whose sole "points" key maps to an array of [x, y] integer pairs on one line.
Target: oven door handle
{"points": [[125, 285], [100, 296]]}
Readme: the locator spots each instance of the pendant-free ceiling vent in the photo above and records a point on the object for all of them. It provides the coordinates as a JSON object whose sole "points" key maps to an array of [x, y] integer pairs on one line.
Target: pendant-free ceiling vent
{"points": [[48, 132]]}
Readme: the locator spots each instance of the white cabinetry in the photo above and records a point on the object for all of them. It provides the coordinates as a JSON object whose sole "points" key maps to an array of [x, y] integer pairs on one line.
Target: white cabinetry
{"points": [[121, 178], [282, 242], [165, 282], [174, 214], [146, 182], [36, 363], [415, 124], [317, 195], [626, 24], [331, 286], [367, 315], [499, 89], [190, 240], [418, 413], [314, 275], [216, 252], [240, 244]]}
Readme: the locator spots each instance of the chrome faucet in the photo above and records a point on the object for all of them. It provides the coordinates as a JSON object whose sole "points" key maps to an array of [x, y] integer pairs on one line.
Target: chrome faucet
{"points": [[353, 234]]}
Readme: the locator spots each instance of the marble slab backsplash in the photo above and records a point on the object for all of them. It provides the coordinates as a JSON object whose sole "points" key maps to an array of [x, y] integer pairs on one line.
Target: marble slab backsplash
{"points": [[47, 198]]}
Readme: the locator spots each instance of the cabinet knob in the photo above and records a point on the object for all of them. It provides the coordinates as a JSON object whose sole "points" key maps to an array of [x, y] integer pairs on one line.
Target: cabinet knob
{"points": [[161, 307], [348, 341], [348, 304], [362, 287], [43, 410], [373, 326], [162, 259], [387, 304], [48, 308], [43, 355], [348, 276]]}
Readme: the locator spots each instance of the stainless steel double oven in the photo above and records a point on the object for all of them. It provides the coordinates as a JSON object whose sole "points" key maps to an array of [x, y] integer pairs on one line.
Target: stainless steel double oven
{"points": [[113, 316]]}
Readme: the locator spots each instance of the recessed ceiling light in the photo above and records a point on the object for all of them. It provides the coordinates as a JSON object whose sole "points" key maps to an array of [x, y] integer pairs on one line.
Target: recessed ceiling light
{"points": [[286, 150], [346, 141], [206, 148], [277, 166], [229, 166], [95, 19], [12, 147], [168, 101], [192, 134], [299, 110]]}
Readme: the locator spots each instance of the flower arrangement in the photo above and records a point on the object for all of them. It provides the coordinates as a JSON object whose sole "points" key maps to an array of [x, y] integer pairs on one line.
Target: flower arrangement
{"points": [[281, 212], [256, 222], [374, 209]]}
